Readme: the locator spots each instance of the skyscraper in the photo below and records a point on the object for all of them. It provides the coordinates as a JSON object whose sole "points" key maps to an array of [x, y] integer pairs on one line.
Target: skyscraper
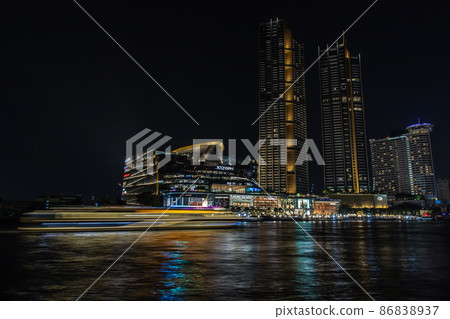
{"points": [[281, 62], [391, 165], [422, 159], [343, 129], [404, 163]]}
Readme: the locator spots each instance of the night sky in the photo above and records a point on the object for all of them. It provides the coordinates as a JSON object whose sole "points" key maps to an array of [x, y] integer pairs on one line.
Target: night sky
{"points": [[70, 97]]}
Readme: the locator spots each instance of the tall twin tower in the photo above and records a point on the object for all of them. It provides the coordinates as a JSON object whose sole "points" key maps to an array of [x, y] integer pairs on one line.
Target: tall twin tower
{"points": [[281, 63]]}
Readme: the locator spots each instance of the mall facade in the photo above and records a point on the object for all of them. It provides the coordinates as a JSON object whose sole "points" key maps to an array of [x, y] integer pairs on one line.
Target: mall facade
{"points": [[212, 182], [252, 200]]}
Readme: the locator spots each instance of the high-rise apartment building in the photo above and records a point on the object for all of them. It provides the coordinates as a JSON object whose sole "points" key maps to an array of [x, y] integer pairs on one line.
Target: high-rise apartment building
{"points": [[404, 163], [346, 167], [422, 159], [281, 62], [391, 165]]}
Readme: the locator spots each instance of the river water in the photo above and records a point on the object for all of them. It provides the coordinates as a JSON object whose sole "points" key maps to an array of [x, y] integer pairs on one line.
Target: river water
{"points": [[263, 261]]}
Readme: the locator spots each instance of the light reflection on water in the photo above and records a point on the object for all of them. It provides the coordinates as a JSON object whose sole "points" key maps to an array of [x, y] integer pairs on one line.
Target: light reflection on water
{"points": [[173, 276], [273, 261]]}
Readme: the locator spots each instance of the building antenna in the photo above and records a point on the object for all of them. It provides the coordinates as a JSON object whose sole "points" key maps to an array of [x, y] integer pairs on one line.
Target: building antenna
{"points": [[418, 118]]}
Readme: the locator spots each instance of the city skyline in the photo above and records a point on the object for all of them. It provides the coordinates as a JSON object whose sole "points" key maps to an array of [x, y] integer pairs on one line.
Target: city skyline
{"points": [[242, 152], [80, 120]]}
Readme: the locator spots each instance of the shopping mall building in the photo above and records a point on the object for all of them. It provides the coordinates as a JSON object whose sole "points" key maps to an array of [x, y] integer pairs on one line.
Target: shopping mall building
{"points": [[210, 183]]}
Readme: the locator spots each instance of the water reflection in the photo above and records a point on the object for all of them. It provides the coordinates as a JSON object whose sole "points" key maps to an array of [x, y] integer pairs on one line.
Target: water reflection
{"points": [[306, 274], [273, 261], [173, 277]]}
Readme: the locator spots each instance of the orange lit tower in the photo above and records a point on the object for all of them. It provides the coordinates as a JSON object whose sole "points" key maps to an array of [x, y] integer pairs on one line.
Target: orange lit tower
{"points": [[281, 62]]}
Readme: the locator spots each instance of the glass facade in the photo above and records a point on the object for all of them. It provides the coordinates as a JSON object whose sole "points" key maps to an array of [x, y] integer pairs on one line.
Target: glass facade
{"points": [[346, 167]]}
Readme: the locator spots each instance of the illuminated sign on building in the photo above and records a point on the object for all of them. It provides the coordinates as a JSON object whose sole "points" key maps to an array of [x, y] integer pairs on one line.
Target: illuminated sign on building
{"points": [[224, 168]]}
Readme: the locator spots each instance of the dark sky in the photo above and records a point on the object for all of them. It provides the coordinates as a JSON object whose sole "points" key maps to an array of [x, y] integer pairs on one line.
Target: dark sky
{"points": [[70, 97]]}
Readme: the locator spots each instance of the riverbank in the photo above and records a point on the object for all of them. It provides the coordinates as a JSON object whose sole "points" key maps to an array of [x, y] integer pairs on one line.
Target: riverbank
{"points": [[351, 218]]}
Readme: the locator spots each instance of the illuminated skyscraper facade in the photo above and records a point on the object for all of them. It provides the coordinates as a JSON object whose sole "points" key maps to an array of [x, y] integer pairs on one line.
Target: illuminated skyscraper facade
{"points": [[346, 167], [281, 62], [419, 136], [391, 165], [404, 163]]}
